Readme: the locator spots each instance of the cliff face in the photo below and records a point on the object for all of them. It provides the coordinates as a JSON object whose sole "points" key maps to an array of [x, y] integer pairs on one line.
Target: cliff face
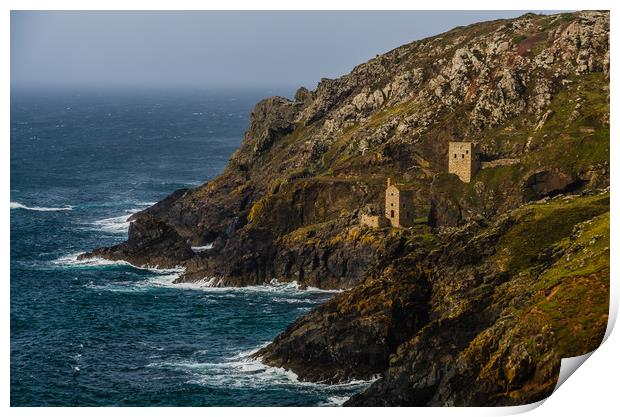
{"points": [[481, 315], [533, 89], [473, 305]]}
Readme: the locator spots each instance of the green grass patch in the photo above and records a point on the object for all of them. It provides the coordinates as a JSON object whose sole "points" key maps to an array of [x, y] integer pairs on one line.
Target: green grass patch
{"points": [[539, 226]]}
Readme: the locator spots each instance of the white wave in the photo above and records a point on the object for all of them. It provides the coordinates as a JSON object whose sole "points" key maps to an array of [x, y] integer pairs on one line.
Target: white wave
{"points": [[214, 284], [292, 286], [247, 353], [72, 260], [15, 205], [335, 400], [243, 371], [240, 373], [165, 277], [206, 247], [315, 289], [118, 224], [287, 300], [160, 279]]}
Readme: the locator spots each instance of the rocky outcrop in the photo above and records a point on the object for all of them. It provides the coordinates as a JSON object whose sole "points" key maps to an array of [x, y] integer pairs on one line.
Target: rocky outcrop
{"points": [[272, 118], [350, 336], [312, 257], [151, 242]]}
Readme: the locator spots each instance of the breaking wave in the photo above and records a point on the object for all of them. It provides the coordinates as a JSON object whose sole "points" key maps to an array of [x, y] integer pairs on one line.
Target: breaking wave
{"points": [[165, 277], [15, 205], [119, 224], [215, 285], [241, 370], [335, 401], [72, 260], [206, 247]]}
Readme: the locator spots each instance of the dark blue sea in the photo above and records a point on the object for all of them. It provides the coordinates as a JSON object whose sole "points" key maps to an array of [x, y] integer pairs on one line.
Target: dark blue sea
{"points": [[100, 333]]}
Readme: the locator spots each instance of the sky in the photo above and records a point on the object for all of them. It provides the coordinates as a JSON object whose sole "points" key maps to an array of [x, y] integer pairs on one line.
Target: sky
{"points": [[211, 49]]}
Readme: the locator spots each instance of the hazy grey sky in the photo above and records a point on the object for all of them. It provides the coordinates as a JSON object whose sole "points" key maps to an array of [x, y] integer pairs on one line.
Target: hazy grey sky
{"points": [[203, 48]]}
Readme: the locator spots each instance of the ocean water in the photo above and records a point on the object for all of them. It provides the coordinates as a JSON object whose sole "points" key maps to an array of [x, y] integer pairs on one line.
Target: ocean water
{"points": [[101, 333]]}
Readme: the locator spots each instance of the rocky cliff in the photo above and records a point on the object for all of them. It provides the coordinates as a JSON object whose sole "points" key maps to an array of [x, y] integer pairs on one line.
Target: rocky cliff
{"points": [[477, 302], [479, 315]]}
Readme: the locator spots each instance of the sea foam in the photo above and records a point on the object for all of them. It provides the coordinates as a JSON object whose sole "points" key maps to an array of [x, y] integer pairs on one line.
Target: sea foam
{"points": [[119, 224], [283, 292], [242, 370], [72, 260], [213, 284], [206, 247]]}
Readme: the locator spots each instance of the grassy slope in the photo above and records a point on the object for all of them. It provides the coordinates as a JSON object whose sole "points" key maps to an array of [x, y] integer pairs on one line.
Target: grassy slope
{"points": [[557, 254]]}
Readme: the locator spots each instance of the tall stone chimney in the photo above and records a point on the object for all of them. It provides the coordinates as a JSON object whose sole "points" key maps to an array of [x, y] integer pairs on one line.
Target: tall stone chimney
{"points": [[388, 181]]}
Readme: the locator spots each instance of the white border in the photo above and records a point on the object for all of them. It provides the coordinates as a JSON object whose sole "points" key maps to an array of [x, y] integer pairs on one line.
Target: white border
{"points": [[592, 391]]}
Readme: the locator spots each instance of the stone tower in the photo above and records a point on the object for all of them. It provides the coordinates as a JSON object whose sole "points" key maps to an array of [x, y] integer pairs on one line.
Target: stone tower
{"points": [[398, 205], [463, 160]]}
